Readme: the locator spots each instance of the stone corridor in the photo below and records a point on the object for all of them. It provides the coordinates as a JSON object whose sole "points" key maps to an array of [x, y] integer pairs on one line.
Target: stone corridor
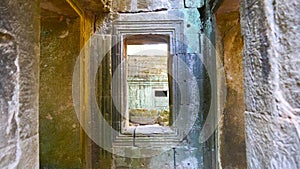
{"points": [[148, 84]]}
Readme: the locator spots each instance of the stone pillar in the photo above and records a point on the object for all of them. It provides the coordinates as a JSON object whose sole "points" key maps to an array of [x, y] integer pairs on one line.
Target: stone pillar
{"points": [[272, 89], [19, 53]]}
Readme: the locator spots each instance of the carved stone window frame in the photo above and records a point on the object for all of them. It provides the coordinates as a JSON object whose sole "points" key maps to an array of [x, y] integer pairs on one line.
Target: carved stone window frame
{"points": [[122, 29]]}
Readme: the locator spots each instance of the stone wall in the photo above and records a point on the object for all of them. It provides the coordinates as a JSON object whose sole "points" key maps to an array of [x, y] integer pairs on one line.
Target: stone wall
{"points": [[189, 153], [19, 53], [60, 145], [271, 74]]}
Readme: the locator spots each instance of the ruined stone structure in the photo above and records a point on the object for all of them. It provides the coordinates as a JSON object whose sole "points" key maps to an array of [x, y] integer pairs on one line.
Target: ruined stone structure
{"points": [[232, 89]]}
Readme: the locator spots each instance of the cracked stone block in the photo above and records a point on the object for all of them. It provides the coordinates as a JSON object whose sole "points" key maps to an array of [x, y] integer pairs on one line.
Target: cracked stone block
{"points": [[272, 141], [19, 50], [190, 91], [8, 99], [193, 3], [186, 157], [8, 156], [28, 146], [176, 4], [193, 43], [144, 5], [258, 68], [288, 53]]}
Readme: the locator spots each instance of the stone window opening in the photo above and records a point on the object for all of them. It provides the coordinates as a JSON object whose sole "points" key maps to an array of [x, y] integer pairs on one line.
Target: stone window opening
{"points": [[147, 85]]}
